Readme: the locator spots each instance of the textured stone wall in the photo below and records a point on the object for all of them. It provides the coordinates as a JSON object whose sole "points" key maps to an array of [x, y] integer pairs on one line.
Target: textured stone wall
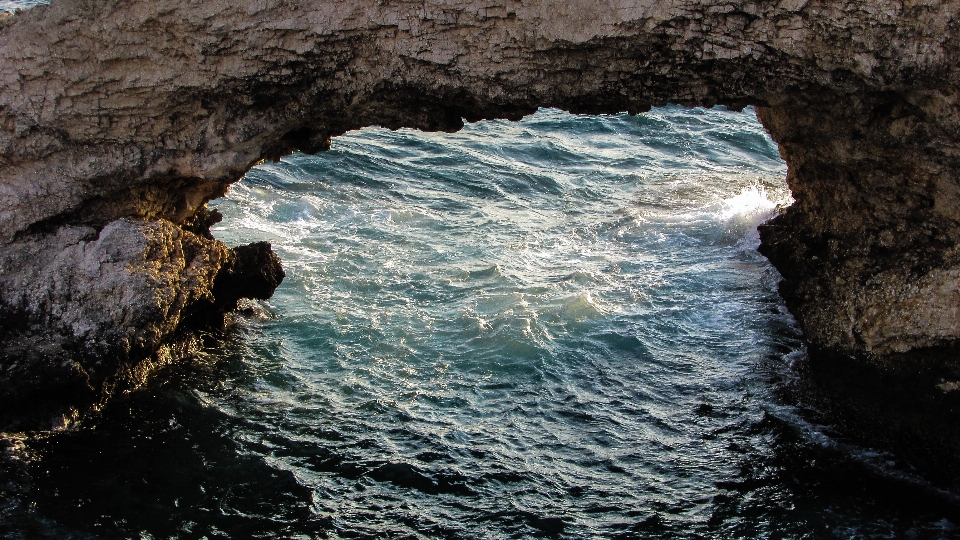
{"points": [[121, 119]]}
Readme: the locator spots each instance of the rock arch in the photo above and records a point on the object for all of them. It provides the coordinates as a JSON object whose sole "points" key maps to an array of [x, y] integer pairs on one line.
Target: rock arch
{"points": [[119, 120]]}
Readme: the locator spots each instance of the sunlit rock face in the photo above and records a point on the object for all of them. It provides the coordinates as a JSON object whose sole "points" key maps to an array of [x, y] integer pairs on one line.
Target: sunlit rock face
{"points": [[94, 309], [125, 118]]}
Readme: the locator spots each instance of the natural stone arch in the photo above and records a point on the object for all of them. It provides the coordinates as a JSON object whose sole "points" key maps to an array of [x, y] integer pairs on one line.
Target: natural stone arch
{"points": [[120, 120]]}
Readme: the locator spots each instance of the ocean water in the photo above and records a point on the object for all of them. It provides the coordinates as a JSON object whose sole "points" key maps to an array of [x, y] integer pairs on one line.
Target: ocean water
{"points": [[552, 328]]}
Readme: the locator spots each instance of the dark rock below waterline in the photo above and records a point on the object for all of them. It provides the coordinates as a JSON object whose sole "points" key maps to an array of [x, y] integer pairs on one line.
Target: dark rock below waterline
{"points": [[906, 404]]}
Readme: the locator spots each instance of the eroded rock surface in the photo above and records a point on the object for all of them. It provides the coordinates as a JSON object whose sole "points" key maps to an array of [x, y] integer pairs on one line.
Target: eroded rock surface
{"points": [[88, 312], [120, 120], [869, 249]]}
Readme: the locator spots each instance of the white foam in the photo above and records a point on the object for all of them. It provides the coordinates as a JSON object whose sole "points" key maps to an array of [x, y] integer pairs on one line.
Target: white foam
{"points": [[581, 307], [753, 205]]}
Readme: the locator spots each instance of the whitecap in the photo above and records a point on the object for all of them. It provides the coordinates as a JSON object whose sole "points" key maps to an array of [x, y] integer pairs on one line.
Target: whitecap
{"points": [[752, 206], [581, 307]]}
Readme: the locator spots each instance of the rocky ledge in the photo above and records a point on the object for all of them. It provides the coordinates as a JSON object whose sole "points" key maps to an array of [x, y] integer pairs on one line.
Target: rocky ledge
{"points": [[119, 120], [88, 313]]}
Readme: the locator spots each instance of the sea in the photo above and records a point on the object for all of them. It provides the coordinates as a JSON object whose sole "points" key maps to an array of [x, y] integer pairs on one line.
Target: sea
{"points": [[558, 327]]}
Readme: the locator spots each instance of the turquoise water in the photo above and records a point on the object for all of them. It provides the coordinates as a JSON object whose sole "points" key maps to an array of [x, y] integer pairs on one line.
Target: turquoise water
{"points": [[558, 327], [553, 319]]}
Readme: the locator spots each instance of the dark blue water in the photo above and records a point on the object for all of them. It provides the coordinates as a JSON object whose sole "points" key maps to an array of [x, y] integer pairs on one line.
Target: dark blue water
{"points": [[558, 327]]}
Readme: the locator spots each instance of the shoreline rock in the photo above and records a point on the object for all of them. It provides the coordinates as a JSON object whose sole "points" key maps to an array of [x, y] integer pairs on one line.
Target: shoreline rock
{"points": [[905, 404], [88, 315]]}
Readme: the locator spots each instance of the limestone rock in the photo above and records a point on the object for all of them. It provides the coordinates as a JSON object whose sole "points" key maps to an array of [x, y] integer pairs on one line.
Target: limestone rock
{"points": [[97, 311], [253, 271]]}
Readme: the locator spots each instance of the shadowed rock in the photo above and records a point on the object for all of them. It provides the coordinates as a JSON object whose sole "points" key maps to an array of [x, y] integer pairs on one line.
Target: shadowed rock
{"points": [[251, 271]]}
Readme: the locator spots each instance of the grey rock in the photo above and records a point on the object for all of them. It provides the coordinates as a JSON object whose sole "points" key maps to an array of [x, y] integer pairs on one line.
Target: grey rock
{"points": [[97, 309]]}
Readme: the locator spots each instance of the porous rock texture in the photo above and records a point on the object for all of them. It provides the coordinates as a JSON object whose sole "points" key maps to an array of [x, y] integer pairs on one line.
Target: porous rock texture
{"points": [[89, 301], [89, 312], [119, 120]]}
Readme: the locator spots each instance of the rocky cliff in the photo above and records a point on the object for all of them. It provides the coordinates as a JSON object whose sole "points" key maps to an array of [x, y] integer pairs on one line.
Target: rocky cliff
{"points": [[119, 120]]}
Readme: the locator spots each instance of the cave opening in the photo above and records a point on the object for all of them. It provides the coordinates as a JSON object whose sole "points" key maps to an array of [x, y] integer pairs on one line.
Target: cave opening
{"points": [[558, 326], [519, 329], [544, 297], [510, 235]]}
